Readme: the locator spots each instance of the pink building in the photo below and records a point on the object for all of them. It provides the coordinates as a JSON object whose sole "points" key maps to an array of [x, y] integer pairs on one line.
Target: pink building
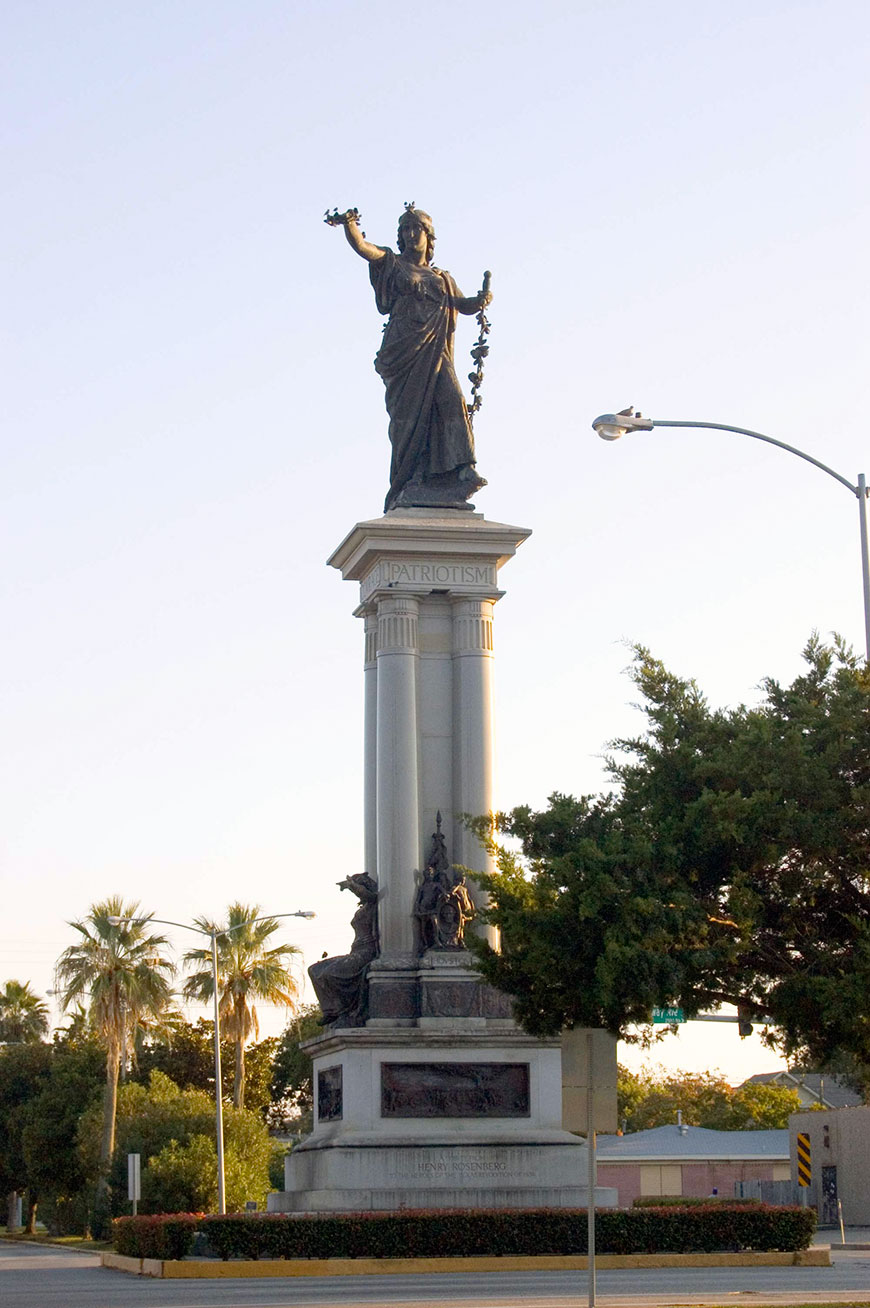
{"points": [[690, 1160]]}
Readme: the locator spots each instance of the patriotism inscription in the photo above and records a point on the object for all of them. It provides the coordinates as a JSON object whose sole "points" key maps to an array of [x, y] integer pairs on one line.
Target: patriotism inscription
{"points": [[434, 573], [455, 1090]]}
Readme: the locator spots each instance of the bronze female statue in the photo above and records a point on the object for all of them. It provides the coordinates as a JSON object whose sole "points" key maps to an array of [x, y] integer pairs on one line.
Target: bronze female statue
{"points": [[341, 983], [433, 460]]}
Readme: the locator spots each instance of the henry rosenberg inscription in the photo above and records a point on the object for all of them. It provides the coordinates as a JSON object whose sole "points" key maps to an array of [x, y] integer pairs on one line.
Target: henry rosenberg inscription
{"points": [[454, 1090]]}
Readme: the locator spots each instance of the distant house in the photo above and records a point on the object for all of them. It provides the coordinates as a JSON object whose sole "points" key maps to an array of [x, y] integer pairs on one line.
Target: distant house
{"points": [[690, 1160], [813, 1087]]}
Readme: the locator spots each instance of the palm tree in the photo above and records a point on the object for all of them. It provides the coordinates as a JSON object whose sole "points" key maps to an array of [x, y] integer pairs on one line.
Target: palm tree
{"points": [[23, 1015], [121, 972], [247, 970]]}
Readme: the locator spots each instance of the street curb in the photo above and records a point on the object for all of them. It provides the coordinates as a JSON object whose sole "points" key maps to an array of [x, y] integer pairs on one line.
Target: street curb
{"points": [[215, 1269]]}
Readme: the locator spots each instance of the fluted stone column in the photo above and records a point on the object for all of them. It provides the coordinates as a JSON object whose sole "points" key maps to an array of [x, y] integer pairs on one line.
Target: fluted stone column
{"points": [[428, 580], [435, 716], [398, 823], [473, 733], [370, 748]]}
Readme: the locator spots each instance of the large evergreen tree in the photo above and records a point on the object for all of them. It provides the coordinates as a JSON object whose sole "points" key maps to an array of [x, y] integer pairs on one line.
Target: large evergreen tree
{"points": [[292, 1090], [24, 1072], [186, 1055], [730, 863]]}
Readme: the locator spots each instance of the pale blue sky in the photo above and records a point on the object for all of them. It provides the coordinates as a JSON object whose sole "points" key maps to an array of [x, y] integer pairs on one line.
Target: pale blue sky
{"points": [[673, 200]]}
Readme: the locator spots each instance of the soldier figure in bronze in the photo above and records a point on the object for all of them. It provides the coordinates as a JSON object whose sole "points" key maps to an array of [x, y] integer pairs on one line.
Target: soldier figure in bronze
{"points": [[455, 910], [433, 461], [430, 896]]}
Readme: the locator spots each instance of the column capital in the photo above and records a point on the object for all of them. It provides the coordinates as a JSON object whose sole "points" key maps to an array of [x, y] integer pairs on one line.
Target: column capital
{"points": [[472, 625], [397, 624], [370, 618]]}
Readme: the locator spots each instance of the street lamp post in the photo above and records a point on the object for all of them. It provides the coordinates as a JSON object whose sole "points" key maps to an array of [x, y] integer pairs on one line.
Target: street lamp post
{"points": [[218, 1089], [610, 426]]}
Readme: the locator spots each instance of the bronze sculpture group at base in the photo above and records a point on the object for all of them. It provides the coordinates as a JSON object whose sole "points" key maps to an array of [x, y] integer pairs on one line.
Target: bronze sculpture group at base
{"points": [[442, 908], [433, 460], [443, 905]]}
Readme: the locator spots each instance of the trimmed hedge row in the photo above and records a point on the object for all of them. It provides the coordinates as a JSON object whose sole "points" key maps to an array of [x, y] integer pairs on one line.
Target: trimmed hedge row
{"points": [[160, 1236], [684, 1201], [440, 1233]]}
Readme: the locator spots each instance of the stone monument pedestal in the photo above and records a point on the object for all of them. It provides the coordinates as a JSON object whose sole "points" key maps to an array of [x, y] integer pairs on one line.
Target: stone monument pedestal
{"points": [[456, 1117], [439, 1099]]}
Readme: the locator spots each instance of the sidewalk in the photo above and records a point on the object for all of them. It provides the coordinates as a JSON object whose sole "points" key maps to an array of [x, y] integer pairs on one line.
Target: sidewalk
{"points": [[857, 1237]]}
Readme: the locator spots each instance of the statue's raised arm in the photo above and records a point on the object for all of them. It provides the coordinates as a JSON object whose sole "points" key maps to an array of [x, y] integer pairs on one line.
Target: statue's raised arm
{"points": [[356, 239], [433, 461]]}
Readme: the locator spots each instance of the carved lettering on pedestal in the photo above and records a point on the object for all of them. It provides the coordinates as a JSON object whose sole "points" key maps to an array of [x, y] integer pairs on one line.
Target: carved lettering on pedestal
{"points": [[329, 1094], [464, 1167], [455, 1090], [435, 574]]}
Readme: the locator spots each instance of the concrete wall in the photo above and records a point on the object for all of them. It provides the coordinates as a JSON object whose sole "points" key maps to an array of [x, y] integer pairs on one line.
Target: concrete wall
{"points": [[840, 1162]]}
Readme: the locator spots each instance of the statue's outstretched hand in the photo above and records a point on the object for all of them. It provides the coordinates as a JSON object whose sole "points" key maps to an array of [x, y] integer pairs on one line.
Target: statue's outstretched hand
{"points": [[336, 219]]}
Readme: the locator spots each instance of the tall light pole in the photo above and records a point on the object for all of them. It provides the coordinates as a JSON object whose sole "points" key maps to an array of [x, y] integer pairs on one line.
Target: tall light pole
{"points": [[218, 1089], [610, 426]]}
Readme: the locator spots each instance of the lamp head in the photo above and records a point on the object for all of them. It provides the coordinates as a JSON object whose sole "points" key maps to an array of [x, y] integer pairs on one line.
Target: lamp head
{"points": [[306, 913], [610, 426], [114, 921]]}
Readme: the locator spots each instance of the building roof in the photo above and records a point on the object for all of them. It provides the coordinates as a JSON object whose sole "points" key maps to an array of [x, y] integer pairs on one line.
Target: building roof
{"points": [[693, 1143], [813, 1087]]}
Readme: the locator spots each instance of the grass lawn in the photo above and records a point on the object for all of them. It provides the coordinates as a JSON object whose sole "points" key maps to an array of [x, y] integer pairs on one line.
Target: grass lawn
{"points": [[63, 1241]]}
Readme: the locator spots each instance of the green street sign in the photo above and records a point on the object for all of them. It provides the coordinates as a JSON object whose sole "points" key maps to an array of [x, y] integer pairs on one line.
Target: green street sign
{"points": [[668, 1015]]}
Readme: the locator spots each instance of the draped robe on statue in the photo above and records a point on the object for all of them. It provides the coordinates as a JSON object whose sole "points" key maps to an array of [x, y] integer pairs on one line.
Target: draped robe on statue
{"points": [[429, 427]]}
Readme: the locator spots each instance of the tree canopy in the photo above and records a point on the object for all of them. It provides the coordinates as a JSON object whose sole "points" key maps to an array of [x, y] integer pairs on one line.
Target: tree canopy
{"points": [[653, 1097], [185, 1053], [729, 863], [174, 1132], [292, 1092]]}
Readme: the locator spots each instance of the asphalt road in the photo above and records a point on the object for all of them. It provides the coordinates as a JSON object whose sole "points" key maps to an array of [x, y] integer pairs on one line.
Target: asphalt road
{"points": [[32, 1277]]}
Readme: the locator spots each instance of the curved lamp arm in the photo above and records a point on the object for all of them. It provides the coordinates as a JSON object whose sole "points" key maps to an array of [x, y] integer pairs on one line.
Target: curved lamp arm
{"points": [[610, 426]]}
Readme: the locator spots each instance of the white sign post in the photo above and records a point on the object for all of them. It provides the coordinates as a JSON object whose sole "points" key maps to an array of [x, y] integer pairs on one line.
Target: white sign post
{"points": [[134, 1179]]}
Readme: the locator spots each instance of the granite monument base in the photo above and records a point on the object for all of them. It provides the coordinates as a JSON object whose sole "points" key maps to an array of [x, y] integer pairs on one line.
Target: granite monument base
{"points": [[464, 1113]]}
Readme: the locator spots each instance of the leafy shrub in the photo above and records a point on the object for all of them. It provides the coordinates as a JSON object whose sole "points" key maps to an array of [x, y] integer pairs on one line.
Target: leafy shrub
{"points": [[701, 1228], [711, 1228], [65, 1215], [173, 1131], [276, 1166], [182, 1177], [155, 1237]]}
